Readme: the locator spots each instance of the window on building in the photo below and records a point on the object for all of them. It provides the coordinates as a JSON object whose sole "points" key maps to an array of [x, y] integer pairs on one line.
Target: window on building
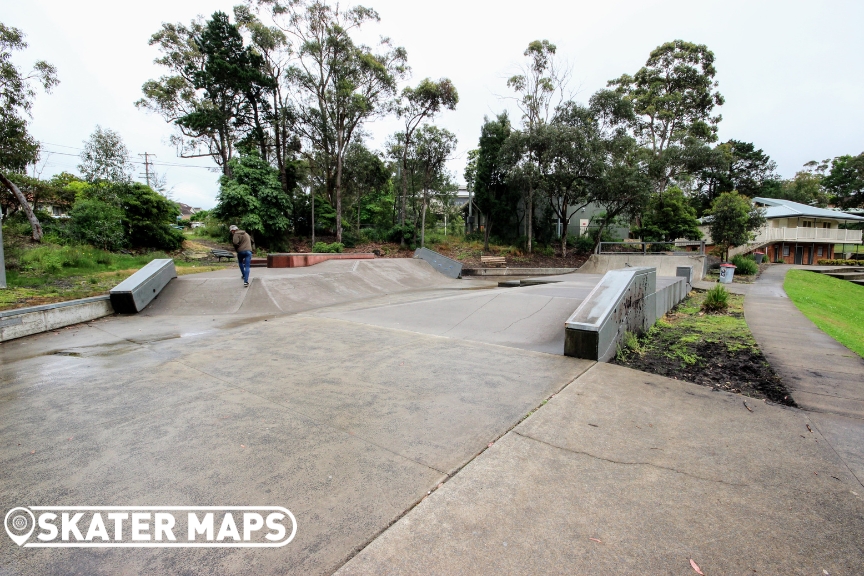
{"points": [[826, 225], [785, 250], [807, 224], [819, 251]]}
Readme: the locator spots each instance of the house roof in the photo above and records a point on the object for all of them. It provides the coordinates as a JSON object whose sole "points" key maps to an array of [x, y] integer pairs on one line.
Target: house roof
{"points": [[779, 208]]}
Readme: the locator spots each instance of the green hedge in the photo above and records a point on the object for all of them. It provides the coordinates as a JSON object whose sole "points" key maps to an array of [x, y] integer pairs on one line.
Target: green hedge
{"points": [[840, 262]]}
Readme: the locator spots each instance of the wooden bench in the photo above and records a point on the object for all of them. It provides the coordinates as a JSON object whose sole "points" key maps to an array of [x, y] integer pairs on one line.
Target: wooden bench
{"points": [[493, 260], [219, 254]]}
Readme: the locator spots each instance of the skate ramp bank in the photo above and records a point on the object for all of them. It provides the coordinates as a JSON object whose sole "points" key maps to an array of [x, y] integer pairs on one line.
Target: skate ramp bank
{"points": [[292, 290], [530, 317], [666, 265]]}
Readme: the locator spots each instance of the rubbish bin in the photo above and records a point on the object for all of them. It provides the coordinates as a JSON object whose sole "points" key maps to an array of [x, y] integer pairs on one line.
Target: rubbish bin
{"points": [[727, 271], [758, 257]]}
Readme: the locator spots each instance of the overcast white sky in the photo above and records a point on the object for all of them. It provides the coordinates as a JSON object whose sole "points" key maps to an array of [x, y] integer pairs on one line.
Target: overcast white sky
{"points": [[791, 71]]}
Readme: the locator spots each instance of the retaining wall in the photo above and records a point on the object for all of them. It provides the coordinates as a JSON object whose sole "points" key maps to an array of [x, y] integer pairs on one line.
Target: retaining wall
{"points": [[301, 259], [664, 264], [516, 271], [35, 319]]}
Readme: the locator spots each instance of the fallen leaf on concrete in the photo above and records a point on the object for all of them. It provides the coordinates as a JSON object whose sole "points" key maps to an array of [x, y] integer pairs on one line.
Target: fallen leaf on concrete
{"points": [[242, 446], [808, 428], [489, 445], [747, 407], [696, 567], [596, 540]]}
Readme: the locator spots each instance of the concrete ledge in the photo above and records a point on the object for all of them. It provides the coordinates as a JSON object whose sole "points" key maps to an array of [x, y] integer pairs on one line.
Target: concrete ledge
{"points": [[516, 271], [302, 259], [628, 300], [137, 291], [35, 319], [444, 265], [665, 264]]}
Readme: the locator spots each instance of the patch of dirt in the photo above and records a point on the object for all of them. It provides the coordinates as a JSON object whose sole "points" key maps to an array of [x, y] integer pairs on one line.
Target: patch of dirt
{"points": [[743, 371], [715, 350]]}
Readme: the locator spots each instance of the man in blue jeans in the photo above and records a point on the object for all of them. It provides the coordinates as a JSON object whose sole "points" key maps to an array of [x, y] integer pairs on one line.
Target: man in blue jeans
{"points": [[243, 245]]}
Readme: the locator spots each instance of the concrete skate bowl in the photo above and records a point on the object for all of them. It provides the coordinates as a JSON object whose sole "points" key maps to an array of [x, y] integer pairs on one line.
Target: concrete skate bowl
{"points": [[275, 291]]}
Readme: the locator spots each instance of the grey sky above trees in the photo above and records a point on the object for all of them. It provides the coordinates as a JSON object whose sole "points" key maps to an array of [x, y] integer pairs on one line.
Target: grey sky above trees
{"points": [[791, 86]]}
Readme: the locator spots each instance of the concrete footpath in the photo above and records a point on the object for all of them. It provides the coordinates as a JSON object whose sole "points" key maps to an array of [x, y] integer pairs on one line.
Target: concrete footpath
{"points": [[630, 473], [824, 377]]}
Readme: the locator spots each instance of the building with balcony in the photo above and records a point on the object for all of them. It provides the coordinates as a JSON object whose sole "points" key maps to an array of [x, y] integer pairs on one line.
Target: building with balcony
{"points": [[797, 233]]}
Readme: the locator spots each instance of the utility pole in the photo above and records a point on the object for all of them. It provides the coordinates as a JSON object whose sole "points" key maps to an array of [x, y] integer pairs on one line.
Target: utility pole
{"points": [[147, 165]]}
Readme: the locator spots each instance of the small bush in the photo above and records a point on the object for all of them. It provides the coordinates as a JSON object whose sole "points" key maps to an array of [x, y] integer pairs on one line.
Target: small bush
{"points": [[840, 262], [716, 300], [97, 223], [745, 265], [350, 239], [547, 251], [324, 248]]}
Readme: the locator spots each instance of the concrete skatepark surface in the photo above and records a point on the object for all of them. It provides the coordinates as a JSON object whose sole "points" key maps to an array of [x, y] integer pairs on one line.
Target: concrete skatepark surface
{"points": [[348, 391]]}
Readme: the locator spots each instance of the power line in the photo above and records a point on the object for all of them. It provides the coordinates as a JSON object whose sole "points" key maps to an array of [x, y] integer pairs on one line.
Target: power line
{"points": [[136, 161]]}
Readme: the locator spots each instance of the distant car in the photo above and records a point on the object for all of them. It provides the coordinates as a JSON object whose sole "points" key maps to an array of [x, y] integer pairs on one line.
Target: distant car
{"points": [[197, 224], [176, 227]]}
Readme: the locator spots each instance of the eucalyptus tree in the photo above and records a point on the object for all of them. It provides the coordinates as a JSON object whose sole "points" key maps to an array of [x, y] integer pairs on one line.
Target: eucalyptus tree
{"points": [[672, 98], [570, 159], [216, 92], [364, 174], [537, 84], [491, 188], [17, 92], [105, 158], [433, 146], [339, 84], [418, 105]]}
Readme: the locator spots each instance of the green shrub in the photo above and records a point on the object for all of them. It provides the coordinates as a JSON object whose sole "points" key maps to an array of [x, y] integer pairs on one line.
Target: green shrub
{"points": [[324, 248], [97, 223], [547, 251], [716, 300], [745, 265], [840, 262]]}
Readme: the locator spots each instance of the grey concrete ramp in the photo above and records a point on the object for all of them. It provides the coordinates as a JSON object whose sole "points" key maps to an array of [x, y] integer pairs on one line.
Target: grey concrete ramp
{"points": [[292, 290], [530, 317]]}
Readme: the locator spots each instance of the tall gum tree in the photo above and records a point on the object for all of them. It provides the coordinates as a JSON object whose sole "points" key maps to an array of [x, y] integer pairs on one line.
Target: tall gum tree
{"points": [[339, 84], [673, 98], [537, 84], [417, 105], [17, 92]]}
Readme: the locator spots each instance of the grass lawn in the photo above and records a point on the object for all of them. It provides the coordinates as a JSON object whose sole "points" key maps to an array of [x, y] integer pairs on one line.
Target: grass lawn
{"points": [[49, 273], [716, 350], [835, 306]]}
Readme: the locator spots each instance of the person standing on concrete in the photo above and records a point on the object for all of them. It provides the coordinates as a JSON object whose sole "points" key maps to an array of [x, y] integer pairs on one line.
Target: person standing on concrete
{"points": [[243, 245]]}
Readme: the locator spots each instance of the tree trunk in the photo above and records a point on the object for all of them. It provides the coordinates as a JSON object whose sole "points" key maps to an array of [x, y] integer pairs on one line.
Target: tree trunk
{"points": [[34, 222], [339, 198], [486, 233], [530, 217], [423, 223], [312, 192], [404, 203]]}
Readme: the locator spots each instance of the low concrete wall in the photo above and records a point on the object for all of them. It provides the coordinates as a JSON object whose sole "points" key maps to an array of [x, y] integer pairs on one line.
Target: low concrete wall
{"points": [[628, 300], [665, 264], [301, 259], [444, 265], [516, 271], [27, 321]]}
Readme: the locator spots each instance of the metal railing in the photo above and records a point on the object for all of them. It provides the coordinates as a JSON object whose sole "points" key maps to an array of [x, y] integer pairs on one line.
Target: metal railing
{"points": [[676, 248]]}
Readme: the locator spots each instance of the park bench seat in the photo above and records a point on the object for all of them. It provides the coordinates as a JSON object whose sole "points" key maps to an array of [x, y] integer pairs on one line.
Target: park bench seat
{"points": [[219, 254], [493, 260]]}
